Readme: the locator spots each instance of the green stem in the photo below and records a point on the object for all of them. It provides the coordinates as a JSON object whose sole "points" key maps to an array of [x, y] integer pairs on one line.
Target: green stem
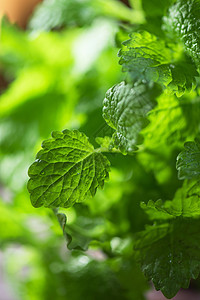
{"points": [[136, 4], [106, 150], [119, 11]]}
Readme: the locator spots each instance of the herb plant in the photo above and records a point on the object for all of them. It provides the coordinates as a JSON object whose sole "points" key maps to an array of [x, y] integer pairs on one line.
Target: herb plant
{"points": [[148, 144]]}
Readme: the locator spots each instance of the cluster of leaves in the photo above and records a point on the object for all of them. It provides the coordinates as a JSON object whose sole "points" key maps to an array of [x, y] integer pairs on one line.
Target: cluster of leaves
{"points": [[151, 109], [158, 91], [56, 14]]}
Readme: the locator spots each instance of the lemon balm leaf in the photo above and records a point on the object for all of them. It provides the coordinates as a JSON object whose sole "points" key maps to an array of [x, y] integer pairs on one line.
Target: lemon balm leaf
{"points": [[52, 14], [188, 161], [185, 204], [146, 57], [183, 22], [66, 170], [125, 109], [169, 254]]}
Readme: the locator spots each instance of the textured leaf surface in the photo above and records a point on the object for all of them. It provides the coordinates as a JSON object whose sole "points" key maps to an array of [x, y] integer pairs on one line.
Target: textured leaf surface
{"points": [[170, 254], [66, 170], [174, 120], [184, 75], [125, 109], [184, 21], [157, 210], [186, 203], [144, 56], [188, 161]]}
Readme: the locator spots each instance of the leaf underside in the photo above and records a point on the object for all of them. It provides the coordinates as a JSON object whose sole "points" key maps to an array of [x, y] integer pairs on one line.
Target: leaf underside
{"points": [[169, 254]]}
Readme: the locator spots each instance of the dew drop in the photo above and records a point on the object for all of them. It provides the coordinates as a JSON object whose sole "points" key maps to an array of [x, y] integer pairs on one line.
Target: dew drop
{"points": [[38, 160]]}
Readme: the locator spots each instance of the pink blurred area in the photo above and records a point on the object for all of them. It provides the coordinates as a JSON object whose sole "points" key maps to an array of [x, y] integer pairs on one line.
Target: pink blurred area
{"points": [[6, 292], [182, 295]]}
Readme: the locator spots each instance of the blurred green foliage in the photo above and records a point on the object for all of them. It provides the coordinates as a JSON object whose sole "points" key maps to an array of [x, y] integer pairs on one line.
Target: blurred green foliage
{"points": [[57, 80], [55, 76]]}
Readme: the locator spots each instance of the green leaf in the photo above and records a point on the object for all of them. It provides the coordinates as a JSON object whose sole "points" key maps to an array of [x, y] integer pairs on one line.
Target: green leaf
{"points": [[54, 14], [66, 170], [79, 234], [74, 240], [58, 13], [188, 161], [184, 75], [173, 120], [186, 204], [104, 142], [125, 109], [193, 188], [169, 254], [145, 56], [157, 210], [183, 21]]}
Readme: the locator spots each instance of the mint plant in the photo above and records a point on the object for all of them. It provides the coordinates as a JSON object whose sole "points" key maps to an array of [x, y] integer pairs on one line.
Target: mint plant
{"points": [[153, 110], [66, 170]]}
